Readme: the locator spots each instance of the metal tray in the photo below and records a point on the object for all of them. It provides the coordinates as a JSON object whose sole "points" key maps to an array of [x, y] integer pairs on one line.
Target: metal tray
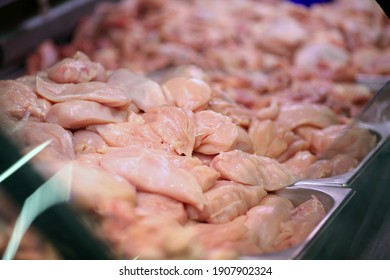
{"points": [[333, 200]]}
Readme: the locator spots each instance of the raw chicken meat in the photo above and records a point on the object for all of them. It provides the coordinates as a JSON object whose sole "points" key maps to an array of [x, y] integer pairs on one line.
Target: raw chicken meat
{"points": [[143, 92], [76, 70], [30, 81], [264, 221], [226, 201], [85, 141], [183, 71], [91, 185], [214, 133], [60, 148], [304, 219], [100, 92], [272, 37], [90, 159], [74, 114], [341, 139], [300, 162], [343, 163], [150, 237], [344, 99], [238, 114], [372, 60], [253, 170], [349, 99], [330, 36], [19, 101], [323, 60], [130, 133], [296, 146], [205, 176], [358, 34], [244, 141], [205, 159], [153, 172], [314, 91], [269, 138], [319, 169], [268, 113], [187, 163], [187, 93], [295, 115], [175, 126], [220, 236], [156, 205]]}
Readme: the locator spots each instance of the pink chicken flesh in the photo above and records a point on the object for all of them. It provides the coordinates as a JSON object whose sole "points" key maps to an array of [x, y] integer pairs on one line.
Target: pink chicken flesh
{"points": [[143, 92], [226, 201], [91, 185], [80, 113], [295, 115], [153, 172], [263, 221], [92, 91], [214, 133], [188, 93], [152, 204], [303, 220], [85, 141], [78, 69], [175, 126], [130, 133], [19, 101], [253, 170]]}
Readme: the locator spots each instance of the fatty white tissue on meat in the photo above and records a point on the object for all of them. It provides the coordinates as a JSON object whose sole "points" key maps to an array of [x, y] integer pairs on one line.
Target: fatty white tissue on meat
{"points": [[182, 121]]}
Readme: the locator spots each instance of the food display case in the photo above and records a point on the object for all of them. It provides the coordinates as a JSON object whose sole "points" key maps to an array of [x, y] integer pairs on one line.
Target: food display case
{"points": [[287, 186]]}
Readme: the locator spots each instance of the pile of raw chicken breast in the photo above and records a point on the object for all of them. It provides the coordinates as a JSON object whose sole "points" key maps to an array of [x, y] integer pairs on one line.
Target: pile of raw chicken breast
{"points": [[181, 118]]}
